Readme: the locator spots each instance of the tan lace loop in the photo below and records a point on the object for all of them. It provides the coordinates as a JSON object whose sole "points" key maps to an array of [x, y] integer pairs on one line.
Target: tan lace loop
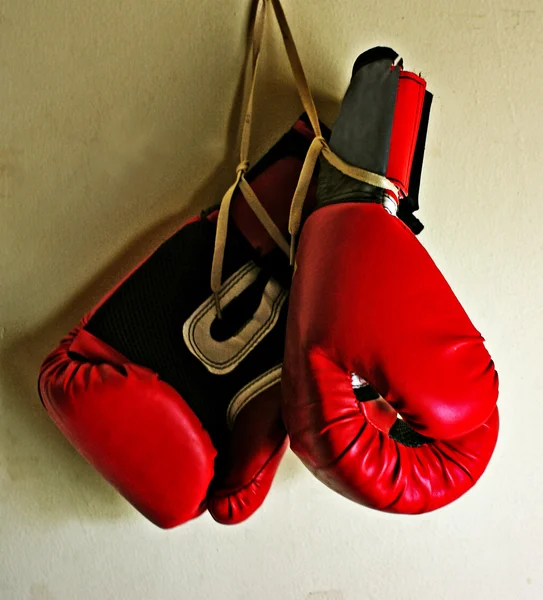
{"points": [[220, 242], [374, 179], [317, 147], [243, 167], [297, 68], [320, 146], [256, 36], [296, 208]]}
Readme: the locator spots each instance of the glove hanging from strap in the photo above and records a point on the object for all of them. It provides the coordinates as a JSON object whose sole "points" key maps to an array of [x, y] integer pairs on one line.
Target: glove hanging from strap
{"points": [[318, 146]]}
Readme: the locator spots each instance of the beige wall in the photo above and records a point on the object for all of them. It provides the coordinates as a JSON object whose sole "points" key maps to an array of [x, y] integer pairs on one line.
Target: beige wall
{"points": [[114, 117]]}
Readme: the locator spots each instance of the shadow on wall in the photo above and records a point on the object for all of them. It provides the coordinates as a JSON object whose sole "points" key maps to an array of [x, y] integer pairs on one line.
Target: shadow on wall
{"points": [[50, 480]]}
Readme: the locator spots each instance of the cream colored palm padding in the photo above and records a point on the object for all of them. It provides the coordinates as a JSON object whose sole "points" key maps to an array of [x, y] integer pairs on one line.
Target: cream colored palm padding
{"points": [[318, 146], [223, 356]]}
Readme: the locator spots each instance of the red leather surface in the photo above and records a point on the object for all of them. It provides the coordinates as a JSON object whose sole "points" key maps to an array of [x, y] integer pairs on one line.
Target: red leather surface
{"points": [[134, 429], [258, 443], [405, 128], [368, 299]]}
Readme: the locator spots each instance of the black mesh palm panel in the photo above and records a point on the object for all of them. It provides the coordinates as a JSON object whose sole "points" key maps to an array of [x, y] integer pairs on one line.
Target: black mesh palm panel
{"points": [[144, 321], [144, 318], [400, 432], [403, 434]]}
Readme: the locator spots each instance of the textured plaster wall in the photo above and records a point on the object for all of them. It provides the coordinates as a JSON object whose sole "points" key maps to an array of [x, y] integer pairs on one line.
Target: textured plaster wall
{"points": [[117, 116]]}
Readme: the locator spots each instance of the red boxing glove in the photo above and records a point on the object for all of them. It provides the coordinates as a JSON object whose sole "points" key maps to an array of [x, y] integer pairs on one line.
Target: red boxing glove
{"points": [[146, 385], [374, 331]]}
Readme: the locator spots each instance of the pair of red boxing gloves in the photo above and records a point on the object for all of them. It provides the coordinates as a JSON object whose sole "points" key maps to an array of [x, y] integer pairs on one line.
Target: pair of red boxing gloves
{"points": [[184, 395]]}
